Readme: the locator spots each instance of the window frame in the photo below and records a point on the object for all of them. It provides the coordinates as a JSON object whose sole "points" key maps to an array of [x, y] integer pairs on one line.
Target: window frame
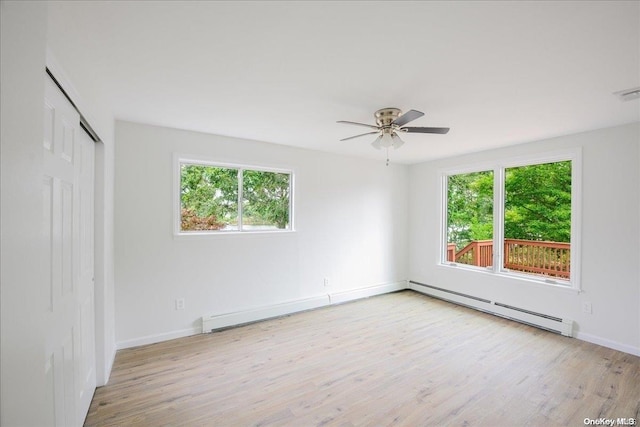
{"points": [[499, 167], [180, 160]]}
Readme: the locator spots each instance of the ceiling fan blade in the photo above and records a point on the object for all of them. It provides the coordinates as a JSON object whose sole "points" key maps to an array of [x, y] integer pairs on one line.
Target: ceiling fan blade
{"points": [[358, 136], [407, 117], [425, 130], [356, 123]]}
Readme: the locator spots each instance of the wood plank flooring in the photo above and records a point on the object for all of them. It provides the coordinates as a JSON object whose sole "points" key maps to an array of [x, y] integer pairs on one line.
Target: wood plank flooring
{"points": [[399, 359]]}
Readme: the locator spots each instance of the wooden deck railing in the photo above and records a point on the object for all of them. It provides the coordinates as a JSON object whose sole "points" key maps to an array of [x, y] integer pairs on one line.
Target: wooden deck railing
{"points": [[451, 252], [529, 256], [478, 253], [547, 258]]}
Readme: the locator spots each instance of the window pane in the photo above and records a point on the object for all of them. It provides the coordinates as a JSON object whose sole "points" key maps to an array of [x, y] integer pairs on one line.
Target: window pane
{"points": [[537, 219], [470, 218], [265, 200], [208, 198]]}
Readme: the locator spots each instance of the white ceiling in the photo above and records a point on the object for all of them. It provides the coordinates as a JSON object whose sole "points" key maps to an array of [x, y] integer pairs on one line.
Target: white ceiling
{"points": [[497, 73]]}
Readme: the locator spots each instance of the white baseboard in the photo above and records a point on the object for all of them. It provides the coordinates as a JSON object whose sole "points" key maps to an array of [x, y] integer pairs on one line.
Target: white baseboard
{"points": [[608, 343], [152, 339], [354, 294]]}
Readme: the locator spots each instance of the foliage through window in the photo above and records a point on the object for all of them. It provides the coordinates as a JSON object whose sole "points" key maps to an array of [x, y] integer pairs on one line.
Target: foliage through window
{"points": [[534, 237], [222, 198], [470, 208]]}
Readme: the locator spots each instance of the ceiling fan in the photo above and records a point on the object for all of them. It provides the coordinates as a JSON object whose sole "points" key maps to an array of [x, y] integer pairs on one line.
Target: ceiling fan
{"points": [[390, 122]]}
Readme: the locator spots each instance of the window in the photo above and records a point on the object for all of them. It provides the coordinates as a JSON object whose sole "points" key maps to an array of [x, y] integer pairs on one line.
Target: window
{"points": [[532, 232], [537, 219], [470, 218], [222, 198]]}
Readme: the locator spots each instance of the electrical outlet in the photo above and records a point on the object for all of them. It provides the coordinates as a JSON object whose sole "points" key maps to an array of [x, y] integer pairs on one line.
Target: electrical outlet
{"points": [[326, 282], [180, 304], [586, 308]]}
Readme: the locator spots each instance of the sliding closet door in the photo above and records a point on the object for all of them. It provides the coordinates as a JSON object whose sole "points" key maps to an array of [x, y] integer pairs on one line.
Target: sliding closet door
{"points": [[68, 225], [86, 298]]}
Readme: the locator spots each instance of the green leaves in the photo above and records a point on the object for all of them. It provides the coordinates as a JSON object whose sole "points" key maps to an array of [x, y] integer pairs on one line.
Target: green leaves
{"points": [[209, 192], [537, 204], [470, 207], [265, 198], [209, 198]]}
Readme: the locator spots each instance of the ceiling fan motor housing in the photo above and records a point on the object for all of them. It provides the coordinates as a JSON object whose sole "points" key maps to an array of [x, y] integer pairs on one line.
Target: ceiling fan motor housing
{"points": [[386, 116]]}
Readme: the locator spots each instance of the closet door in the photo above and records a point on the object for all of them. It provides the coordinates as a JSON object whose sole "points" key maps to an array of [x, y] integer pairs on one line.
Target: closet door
{"points": [[68, 229], [86, 299]]}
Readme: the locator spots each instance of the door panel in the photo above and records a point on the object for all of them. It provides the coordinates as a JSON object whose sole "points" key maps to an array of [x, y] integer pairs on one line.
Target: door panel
{"points": [[68, 374], [47, 227], [67, 220]]}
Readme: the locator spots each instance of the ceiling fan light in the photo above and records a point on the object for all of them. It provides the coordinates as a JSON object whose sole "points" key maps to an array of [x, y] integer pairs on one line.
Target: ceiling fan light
{"points": [[377, 143], [386, 140], [397, 142]]}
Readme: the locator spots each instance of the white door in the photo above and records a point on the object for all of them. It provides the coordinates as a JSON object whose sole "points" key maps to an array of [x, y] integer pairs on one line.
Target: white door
{"points": [[68, 226]]}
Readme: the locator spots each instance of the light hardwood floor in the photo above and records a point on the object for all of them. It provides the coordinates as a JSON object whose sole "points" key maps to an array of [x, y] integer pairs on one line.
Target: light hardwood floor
{"points": [[397, 359]]}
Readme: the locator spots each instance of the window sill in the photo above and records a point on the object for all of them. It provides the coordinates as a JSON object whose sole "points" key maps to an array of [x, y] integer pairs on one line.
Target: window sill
{"points": [[232, 234], [534, 281]]}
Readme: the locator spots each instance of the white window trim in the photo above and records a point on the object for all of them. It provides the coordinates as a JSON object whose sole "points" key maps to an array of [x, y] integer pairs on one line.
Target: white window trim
{"points": [[179, 159], [498, 168]]}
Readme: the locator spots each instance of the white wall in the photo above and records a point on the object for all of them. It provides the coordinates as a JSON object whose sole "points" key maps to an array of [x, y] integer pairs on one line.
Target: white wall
{"points": [[610, 237], [22, 284], [350, 220]]}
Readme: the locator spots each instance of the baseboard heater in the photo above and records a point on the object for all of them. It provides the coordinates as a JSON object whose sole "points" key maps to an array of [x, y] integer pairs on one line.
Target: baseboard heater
{"points": [[227, 320], [554, 324], [223, 321]]}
